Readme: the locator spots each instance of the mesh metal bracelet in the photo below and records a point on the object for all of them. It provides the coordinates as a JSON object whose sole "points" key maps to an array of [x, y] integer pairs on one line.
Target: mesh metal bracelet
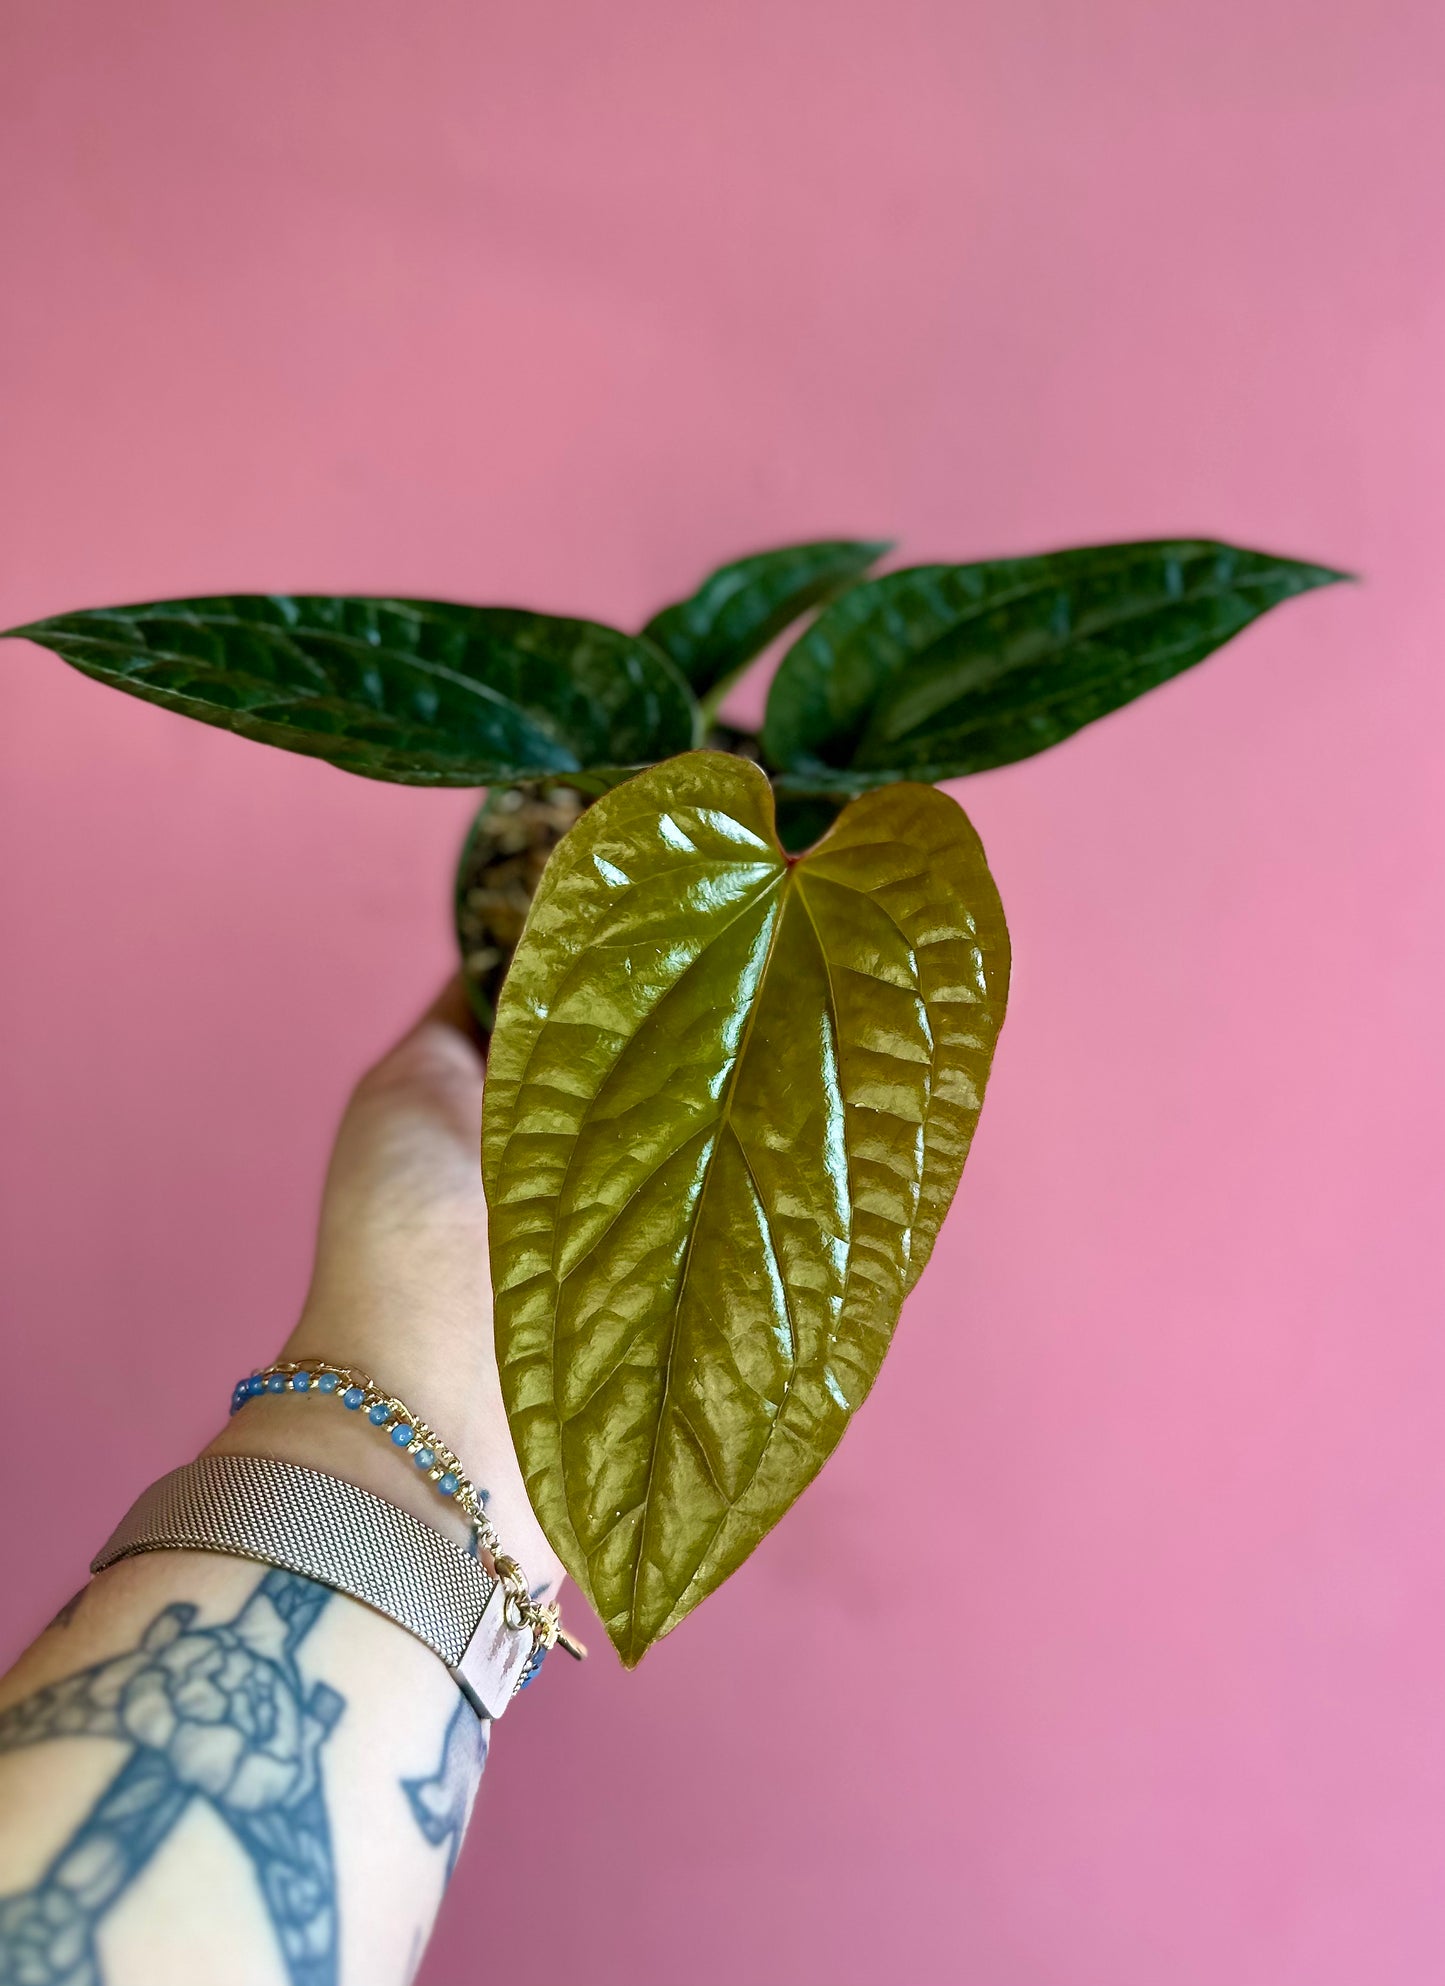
{"points": [[314, 1378], [249, 1506]]}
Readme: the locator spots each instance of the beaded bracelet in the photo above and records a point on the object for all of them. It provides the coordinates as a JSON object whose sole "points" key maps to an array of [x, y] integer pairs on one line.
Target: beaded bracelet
{"points": [[357, 1391]]}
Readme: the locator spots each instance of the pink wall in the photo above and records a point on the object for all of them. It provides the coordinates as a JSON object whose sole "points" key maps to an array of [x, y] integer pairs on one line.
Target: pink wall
{"points": [[557, 306]]}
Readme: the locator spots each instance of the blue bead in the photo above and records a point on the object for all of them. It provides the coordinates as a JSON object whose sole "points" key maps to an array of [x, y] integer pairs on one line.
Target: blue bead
{"points": [[379, 1414], [329, 1381], [401, 1434], [301, 1382], [534, 1669], [352, 1397], [449, 1484], [424, 1457], [276, 1383], [255, 1384]]}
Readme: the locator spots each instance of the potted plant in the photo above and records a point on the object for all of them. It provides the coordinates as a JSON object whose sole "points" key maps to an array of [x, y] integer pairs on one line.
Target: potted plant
{"points": [[743, 991]]}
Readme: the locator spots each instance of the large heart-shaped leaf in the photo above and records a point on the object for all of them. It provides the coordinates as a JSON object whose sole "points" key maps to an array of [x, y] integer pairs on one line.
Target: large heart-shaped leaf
{"points": [[948, 669], [739, 608], [729, 1100], [418, 691]]}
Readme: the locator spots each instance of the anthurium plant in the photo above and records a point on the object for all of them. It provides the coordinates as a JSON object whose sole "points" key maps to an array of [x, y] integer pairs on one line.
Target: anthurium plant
{"points": [[743, 990]]}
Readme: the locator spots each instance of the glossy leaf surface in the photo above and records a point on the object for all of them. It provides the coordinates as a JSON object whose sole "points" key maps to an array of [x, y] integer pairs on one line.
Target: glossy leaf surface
{"points": [[418, 691], [728, 1104], [948, 669], [739, 608]]}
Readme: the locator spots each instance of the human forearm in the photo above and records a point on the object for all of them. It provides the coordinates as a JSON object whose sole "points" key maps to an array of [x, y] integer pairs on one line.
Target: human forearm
{"points": [[215, 1770]]}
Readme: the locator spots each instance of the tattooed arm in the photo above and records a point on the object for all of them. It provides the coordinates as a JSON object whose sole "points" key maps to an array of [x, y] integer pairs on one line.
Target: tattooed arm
{"points": [[211, 1771]]}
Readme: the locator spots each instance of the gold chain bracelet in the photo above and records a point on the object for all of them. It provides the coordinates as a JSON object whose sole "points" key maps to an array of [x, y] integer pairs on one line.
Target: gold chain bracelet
{"points": [[410, 1435]]}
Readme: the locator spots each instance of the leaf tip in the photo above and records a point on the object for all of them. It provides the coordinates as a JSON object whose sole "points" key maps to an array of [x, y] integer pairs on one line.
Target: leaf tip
{"points": [[630, 1641], [1311, 575]]}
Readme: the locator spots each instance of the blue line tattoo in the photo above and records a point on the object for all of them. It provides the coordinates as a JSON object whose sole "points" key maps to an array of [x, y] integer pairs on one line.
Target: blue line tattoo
{"points": [[442, 1802], [219, 1714]]}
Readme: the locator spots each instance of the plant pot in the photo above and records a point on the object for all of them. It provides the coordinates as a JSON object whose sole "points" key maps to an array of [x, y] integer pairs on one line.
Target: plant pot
{"points": [[501, 864]]}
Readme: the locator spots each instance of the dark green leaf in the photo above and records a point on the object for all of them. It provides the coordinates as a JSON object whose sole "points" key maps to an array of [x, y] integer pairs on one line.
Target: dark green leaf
{"points": [[728, 1102], [948, 669], [737, 611], [801, 822], [720, 737], [418, 691]]}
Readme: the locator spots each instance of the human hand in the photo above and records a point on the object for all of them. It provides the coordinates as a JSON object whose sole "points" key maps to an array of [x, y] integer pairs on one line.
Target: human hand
{"points": [[401, 1290]]}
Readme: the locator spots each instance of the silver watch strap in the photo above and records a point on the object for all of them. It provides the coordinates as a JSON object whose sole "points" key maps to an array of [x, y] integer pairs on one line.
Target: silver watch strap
{"points": [[278, 1513]]}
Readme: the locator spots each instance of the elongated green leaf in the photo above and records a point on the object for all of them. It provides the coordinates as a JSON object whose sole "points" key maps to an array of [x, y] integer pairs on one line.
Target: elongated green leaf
{"points": [[739, 608], [728, 1104], [948, 669], [417, 691]]}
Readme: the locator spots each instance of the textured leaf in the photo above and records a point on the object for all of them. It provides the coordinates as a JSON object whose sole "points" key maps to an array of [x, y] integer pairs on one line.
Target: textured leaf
{"points": [[739, 608], [417, 691], [949, 669], [728, 1103]]}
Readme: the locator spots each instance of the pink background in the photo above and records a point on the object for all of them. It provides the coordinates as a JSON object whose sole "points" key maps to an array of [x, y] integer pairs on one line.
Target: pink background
{"points": [[1110, 1650]]}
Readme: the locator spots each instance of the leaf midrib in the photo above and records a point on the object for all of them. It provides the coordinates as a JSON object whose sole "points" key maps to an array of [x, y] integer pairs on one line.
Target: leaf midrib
{"points": [[1025, 590], [595, 945], [1045, 658], [281, 638], [797, 879], [778, 881], [724, 1122], [817, 644]]}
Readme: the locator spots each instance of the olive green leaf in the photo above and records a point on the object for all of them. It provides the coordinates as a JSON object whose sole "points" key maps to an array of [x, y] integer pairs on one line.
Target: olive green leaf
{"points": [[729, 1100], [739, 608], [948, 669], [418, 691]]}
